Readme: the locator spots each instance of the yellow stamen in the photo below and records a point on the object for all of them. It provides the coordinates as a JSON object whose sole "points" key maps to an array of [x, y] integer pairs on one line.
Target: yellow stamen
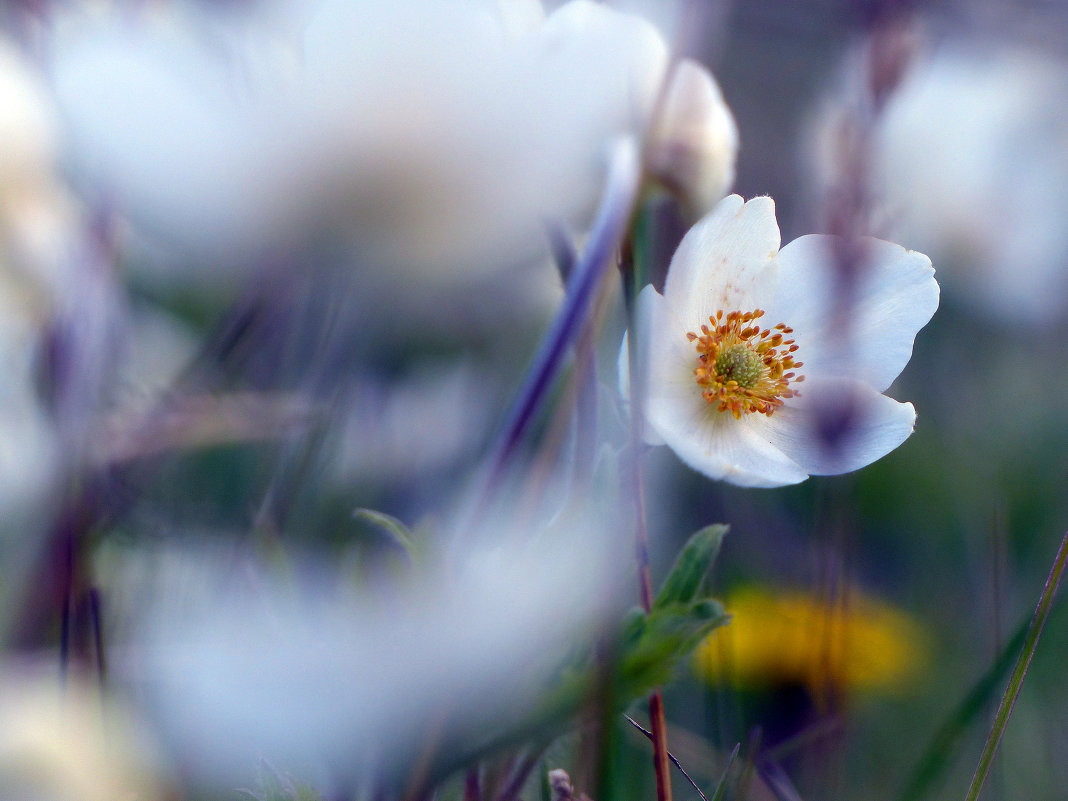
{"points": [[743, 369]]}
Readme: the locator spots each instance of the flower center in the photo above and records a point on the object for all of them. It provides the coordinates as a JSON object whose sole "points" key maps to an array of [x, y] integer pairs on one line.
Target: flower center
{"points": [[739, 363], [743, 369]]}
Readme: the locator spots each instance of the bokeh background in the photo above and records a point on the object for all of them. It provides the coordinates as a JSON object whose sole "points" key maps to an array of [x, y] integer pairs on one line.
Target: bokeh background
{"points": [[245, 400]]}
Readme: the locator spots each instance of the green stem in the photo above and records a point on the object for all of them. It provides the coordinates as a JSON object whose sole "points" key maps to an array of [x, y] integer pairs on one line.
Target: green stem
{"points": [[1012, 692]]}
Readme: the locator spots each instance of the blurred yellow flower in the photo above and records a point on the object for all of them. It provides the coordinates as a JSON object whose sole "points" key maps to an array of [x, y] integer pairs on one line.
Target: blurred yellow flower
{"points": [[854, 643]]}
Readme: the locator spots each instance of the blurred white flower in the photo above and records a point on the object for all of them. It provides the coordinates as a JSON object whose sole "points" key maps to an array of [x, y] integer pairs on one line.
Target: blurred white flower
{"points": [[724, 346], [33, 233], [695, 144], [970, 162], [430, 420], [443, 134], [337, 683], [68, 744]]}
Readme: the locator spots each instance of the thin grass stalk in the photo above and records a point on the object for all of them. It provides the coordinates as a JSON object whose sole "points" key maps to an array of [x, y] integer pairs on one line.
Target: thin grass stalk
{"points": [[1012, 692]]}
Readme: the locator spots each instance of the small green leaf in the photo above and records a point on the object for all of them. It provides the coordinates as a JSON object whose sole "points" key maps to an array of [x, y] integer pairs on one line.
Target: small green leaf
{"points": [[275, 786], [692, 565], [391, 526], [666, 637], [632, 629]]}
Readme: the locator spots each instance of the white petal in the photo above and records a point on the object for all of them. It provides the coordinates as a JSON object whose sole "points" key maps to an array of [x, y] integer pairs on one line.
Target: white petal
{"points": [[896, 295], [840, 426], [711, 442], [716, 444], [647, 310], [726, 261]]}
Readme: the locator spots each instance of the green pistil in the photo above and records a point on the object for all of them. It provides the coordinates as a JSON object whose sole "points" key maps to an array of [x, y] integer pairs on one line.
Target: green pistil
{"points": [[740, 363]]}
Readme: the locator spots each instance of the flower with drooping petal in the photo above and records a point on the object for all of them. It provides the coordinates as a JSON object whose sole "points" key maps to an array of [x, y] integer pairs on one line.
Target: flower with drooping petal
{"points": [[742, 324]]}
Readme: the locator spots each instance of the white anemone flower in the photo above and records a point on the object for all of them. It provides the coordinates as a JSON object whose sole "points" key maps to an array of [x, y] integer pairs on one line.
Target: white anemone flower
{"points": [[971, 157], [34, 223], [69, 742], [742, 323], [329, 678], [436, 135], [968, 165]]}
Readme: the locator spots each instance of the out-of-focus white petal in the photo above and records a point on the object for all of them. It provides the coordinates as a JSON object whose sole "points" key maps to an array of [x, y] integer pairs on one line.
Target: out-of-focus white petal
{"points": [[311, 672], [895, 295], [436, 136], [968, 165], [154, 129], [725, 261], [520, 16], [66, 743], [27, 135], [586, 34], [839, 426], [35, 235]]}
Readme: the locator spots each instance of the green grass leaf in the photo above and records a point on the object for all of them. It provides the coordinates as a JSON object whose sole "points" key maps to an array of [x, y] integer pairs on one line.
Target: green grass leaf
{"points": [[693, 564]]}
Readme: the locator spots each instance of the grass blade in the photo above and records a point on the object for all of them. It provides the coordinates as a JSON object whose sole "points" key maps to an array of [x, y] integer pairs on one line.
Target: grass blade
{"points": [[1012, 692]]}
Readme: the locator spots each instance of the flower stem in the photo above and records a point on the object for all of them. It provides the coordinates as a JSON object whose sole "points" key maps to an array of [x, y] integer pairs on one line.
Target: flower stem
{"points": [[612, 220], [631, 270], [1012, 692], [674, 761], [657, 719]]}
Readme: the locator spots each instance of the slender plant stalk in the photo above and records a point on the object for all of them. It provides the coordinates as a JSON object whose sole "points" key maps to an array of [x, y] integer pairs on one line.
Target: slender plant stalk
{"points": [[608, 230], [631, 269], [1012, 692], [472, 787], [657, 719], [674, 760]]}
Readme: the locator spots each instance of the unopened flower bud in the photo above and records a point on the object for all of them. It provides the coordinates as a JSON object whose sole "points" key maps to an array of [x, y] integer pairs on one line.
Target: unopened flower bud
{"points": [[695, 143]]}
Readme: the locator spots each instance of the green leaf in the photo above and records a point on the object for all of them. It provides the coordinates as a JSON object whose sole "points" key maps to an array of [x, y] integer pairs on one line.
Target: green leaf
{"points": [[691, 567], [654, 645], [721, 788], [397, 532], [642, 657]]}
